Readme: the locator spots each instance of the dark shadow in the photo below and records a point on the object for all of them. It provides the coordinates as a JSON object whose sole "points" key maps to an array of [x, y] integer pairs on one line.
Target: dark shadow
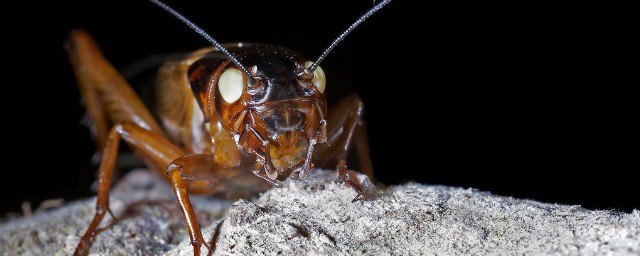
{"points": [[214, 239]]}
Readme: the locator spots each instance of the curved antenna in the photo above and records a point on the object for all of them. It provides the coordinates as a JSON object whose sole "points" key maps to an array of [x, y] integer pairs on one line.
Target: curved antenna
{"points": [[346, 32], [206, 36]]}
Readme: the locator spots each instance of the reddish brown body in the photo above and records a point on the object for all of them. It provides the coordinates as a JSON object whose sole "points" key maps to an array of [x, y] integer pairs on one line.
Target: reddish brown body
{"points": [[214, 137]]}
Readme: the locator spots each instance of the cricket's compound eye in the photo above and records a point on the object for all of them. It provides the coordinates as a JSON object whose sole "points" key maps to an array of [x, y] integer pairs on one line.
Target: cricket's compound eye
{"points": [[231, 84], [319, 79]]}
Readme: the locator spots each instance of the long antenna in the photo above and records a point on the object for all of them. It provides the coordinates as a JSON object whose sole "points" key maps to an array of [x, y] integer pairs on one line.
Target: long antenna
{"points": [[346, 32], [206, 36]]}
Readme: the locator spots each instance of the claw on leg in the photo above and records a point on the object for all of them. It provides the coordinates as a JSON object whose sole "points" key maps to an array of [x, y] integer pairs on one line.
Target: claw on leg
{"points": [[90, 235], [346, 177]]}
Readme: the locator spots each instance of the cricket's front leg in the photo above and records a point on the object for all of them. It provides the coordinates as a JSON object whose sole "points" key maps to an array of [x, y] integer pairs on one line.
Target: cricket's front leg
{"points": [[203, 168], [195, 167], [344, 127]]}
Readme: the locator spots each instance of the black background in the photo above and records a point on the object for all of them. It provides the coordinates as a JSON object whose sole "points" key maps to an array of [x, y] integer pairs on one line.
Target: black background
{"points": [[456, 95]]}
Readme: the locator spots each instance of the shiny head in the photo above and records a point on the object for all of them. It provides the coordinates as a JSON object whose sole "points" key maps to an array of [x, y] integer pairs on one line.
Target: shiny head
{"points": [[280, 117]]}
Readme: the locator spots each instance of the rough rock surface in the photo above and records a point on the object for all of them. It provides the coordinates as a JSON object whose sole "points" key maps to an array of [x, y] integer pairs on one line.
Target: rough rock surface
{"points": [[316, 217]]}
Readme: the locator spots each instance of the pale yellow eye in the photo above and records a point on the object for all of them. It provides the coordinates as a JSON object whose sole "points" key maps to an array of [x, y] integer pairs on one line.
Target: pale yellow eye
{"points": [[231, 85], [318, 77]]}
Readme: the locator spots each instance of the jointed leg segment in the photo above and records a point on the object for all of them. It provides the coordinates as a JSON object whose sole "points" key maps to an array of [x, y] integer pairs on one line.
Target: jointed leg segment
{"points": [[110, 100], [346, 127]]}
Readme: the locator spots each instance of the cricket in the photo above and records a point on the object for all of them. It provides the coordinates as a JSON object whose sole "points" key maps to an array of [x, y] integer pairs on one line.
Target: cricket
{"points": [[232, 119]]}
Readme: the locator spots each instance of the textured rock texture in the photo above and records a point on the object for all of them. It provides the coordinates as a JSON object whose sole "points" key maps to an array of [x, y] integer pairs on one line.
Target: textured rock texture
{"points": [[316, 217]]}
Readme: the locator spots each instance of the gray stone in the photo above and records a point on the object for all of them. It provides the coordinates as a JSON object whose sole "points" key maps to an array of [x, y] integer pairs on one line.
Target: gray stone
{"points": [[316, 216]]}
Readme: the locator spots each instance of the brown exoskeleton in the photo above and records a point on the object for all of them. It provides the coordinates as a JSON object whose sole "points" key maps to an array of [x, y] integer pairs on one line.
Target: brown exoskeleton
{"points": [[227, 115]]}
